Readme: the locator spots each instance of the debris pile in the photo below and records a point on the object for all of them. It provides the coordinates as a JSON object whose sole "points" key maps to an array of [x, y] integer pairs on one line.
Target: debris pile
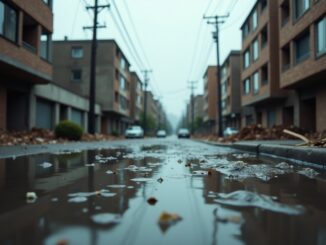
{"points": [[42, 136], [280, 132]]}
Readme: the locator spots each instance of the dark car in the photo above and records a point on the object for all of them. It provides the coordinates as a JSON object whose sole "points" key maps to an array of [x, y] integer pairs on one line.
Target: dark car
{"points": [[183, 133]]}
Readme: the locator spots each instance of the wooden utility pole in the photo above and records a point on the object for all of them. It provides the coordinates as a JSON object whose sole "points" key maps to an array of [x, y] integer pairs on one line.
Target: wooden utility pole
{"points": [[92, 86], [216, 21]]}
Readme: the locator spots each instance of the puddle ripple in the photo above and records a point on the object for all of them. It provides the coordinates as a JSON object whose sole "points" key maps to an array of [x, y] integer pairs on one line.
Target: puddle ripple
{"points": [[106, 218], [251, 199]]}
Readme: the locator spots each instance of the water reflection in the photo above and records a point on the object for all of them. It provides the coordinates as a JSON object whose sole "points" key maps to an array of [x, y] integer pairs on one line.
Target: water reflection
{"points": [[22, 223]]}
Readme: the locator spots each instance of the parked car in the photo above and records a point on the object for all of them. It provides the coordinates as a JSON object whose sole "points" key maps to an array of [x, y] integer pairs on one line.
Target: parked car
{"points": [[230, 131], [161, 134], [134, 132], [183, 133]]}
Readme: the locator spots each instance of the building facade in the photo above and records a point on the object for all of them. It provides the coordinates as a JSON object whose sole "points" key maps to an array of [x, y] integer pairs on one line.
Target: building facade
{"points": [[302, 63], [25, 56], [136, 98], [260, 70], [71, 61], [230, 90], [210, 100]]}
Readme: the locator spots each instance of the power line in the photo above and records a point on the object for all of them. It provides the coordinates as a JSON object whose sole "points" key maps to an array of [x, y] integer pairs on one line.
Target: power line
{"points": [[127, 33]]}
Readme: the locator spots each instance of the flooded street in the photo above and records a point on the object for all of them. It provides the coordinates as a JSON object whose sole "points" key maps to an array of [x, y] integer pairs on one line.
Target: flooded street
{"points": [[164, 191]]}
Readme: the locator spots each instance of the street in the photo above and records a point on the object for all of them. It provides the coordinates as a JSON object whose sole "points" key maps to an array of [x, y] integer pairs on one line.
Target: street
{"points": [[160, 191]]}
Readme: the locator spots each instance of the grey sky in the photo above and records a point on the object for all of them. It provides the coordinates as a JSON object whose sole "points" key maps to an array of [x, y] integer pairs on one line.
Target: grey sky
{"points": [[168, 33]]}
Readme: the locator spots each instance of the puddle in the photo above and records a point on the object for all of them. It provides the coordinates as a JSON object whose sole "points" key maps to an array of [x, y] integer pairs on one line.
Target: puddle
{"points": [[103, 196]]}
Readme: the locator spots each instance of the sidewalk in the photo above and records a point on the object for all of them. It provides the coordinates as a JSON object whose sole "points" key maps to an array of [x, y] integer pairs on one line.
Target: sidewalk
{"points": [[280, 148]]}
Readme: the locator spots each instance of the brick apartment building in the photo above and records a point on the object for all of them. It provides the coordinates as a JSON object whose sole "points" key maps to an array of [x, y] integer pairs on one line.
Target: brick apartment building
{"points": [[136, 98], [28, 96], [71, 61], [302, 51], [210, 99], [261, 90], [25, 36], [230, 90]]}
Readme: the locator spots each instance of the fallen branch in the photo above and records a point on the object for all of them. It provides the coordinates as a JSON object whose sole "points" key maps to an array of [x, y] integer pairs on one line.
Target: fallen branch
{"points": [[299, 136]]}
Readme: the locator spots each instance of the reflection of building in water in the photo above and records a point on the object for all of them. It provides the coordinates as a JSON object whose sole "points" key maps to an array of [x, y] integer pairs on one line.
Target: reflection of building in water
{"points": [[32, 223]]}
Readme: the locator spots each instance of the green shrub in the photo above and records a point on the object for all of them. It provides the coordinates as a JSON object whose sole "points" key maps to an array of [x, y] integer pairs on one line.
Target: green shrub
{"points": [[68, 130], [115, 133]]}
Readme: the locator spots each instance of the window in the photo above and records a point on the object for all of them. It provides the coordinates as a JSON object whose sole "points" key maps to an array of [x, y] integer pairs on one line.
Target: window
{"points": [[254, 20], [77, 52], [255, 78], [264, 37], [286, 57], [123, 103], [264, 74], [8, 22], [245, 30], [223, 88], [246, 86], [45, 46], [321, 36], [123, 64], [285, 12], [122, 83], [263, 5], [76, 75], [302, 48], [255, 50], [246, 57], [300, 7]]}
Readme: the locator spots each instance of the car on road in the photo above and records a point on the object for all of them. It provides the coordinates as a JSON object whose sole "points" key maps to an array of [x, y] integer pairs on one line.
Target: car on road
{"points": [[134, 132], [161, 134], [183, 133], [229, 131]]}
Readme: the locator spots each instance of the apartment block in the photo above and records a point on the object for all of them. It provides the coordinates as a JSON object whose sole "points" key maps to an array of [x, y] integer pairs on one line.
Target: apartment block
{"points": [[71, 61], [210, 99], [136, 98], [25, 59], [152, 112], [231, 90], [261, 92], [302, 51]]}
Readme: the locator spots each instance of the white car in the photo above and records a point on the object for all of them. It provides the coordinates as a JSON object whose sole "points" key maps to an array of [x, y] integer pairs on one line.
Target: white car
{"points": [[230, 131], [134, 132], [161, 134]]}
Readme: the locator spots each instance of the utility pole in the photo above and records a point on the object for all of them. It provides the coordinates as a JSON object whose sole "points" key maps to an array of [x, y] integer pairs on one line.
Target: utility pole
{"points": [[146, 80], [218, 19], [192, 88], [92, 86]]}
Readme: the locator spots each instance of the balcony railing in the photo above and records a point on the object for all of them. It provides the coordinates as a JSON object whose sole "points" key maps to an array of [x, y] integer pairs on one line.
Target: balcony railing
{"points": [[29, 47]]}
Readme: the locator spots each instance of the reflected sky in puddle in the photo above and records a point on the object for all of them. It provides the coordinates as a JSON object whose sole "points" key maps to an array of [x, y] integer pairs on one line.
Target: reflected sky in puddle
{"points": [[181, 175]]}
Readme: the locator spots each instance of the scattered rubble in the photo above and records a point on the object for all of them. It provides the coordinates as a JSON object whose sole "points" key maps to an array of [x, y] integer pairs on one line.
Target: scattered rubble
{"points": [[280, 132], [152, 201], [43, 136]]}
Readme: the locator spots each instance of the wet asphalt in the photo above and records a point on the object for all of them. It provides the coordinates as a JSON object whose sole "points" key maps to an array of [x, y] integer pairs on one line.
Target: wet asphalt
{"points": [[158, 191]]}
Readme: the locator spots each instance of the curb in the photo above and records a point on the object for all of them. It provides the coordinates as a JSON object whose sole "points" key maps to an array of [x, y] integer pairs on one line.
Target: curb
{"points": [[315, 156]]}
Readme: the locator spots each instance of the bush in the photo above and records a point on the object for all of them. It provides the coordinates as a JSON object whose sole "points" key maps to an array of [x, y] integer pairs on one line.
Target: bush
{"points": [[115, 133], [68, 130]]}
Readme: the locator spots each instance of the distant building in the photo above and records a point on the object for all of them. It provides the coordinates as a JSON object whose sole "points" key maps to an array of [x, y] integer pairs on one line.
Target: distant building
{"points": [[210, 100], [136, 98], [71, 62], [231, 90], [198, 106], [302, 51]]}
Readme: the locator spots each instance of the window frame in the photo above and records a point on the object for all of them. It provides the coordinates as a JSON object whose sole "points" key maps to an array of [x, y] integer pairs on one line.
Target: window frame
{"points": [[254, 76], [295, 16], [306, 56], [73, 73], [4, 34]]}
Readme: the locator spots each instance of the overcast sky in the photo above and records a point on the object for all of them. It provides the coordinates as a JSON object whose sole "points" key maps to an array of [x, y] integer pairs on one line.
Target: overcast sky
{"points": [[171, 38]]}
